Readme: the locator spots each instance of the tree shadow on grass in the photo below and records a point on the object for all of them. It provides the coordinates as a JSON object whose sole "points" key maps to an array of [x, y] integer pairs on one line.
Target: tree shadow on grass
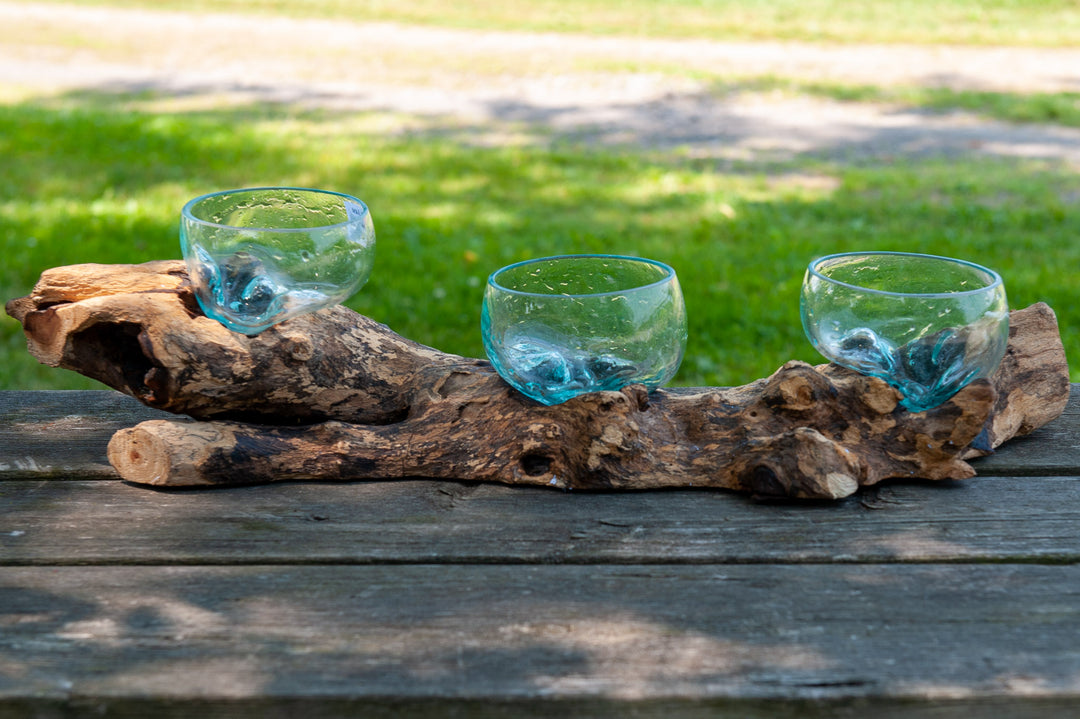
{"points": [[89, 179]]}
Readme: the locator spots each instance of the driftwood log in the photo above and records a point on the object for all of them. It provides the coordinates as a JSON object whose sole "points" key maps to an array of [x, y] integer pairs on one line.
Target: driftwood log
{"points": [[337, 396]]}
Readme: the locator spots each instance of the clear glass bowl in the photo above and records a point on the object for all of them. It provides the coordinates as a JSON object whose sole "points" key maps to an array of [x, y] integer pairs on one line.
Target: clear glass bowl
{"points": [[558, 327], [927, 325], [259, 256]]}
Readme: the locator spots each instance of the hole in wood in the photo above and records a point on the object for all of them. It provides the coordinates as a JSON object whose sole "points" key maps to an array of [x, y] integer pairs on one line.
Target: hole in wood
{"points": [[535, 465], [765, 482], [111, 353]]}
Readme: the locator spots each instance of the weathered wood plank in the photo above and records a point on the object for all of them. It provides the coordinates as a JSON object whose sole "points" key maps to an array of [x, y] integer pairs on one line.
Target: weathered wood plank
{"points": [[383, 633], [62, 434], [1031, 519]]}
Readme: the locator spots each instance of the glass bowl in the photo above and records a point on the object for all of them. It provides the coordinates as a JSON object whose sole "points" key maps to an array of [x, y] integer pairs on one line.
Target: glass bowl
{"points": [[558, 327], [927, 325], [259, 256]]}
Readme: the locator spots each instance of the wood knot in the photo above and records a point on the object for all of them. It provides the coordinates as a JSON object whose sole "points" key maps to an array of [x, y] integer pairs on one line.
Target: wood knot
{"points": [[878, 395], [454, 382], [297, 347], [797, 387], [874, 393], [607, 401], [801, 463]]}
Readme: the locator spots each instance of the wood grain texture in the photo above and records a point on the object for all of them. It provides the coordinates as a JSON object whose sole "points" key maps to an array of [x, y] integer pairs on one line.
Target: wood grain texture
{"points": [[542, 633], [1052, 449], [374, 405], [1032, 380], [87, 420], [437, 598], [63, 434], [994, 519], [803, 432], [139, 329]]}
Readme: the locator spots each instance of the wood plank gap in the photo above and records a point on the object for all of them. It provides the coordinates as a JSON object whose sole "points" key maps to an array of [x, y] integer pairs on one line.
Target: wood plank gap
{"points": [[392, 707], [1050, 560]]}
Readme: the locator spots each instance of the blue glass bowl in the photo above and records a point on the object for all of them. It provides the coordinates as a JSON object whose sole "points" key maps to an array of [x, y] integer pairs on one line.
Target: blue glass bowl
{"points": [[558, 327], [259, 256], [927, 325]]}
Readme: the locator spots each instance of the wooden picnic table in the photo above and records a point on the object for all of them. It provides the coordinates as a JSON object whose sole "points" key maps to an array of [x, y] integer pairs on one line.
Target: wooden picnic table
{"points": [[433, 598]]}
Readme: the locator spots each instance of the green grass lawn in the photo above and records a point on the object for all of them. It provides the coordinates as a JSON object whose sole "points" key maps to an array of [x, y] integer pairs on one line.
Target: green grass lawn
{"points": [[94, 182], [101, 178], [977, 22]]}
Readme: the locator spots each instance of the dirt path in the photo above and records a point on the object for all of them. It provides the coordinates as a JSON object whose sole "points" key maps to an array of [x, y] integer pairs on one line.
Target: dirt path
{"points": [[496, 87]]}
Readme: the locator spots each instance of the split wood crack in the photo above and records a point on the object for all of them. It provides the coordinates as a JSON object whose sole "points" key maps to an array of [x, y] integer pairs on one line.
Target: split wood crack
{"points": [[337, 396]]}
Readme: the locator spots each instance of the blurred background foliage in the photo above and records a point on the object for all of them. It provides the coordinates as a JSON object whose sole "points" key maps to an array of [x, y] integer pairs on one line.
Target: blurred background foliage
{"points": [[97, 177]]}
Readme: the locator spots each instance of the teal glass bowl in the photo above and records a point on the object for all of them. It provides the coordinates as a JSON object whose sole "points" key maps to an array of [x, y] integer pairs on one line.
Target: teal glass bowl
{"points": [[925, 324], [558, 327], [258, 256]]}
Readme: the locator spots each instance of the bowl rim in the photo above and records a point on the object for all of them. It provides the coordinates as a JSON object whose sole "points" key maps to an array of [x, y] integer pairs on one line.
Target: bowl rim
{"points": [[669, 275], [185, 211], [995, 279]]}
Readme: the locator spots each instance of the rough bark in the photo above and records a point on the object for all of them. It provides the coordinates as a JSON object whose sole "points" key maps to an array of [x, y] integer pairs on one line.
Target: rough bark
{"points": [[139, 329], [335, 395]]}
